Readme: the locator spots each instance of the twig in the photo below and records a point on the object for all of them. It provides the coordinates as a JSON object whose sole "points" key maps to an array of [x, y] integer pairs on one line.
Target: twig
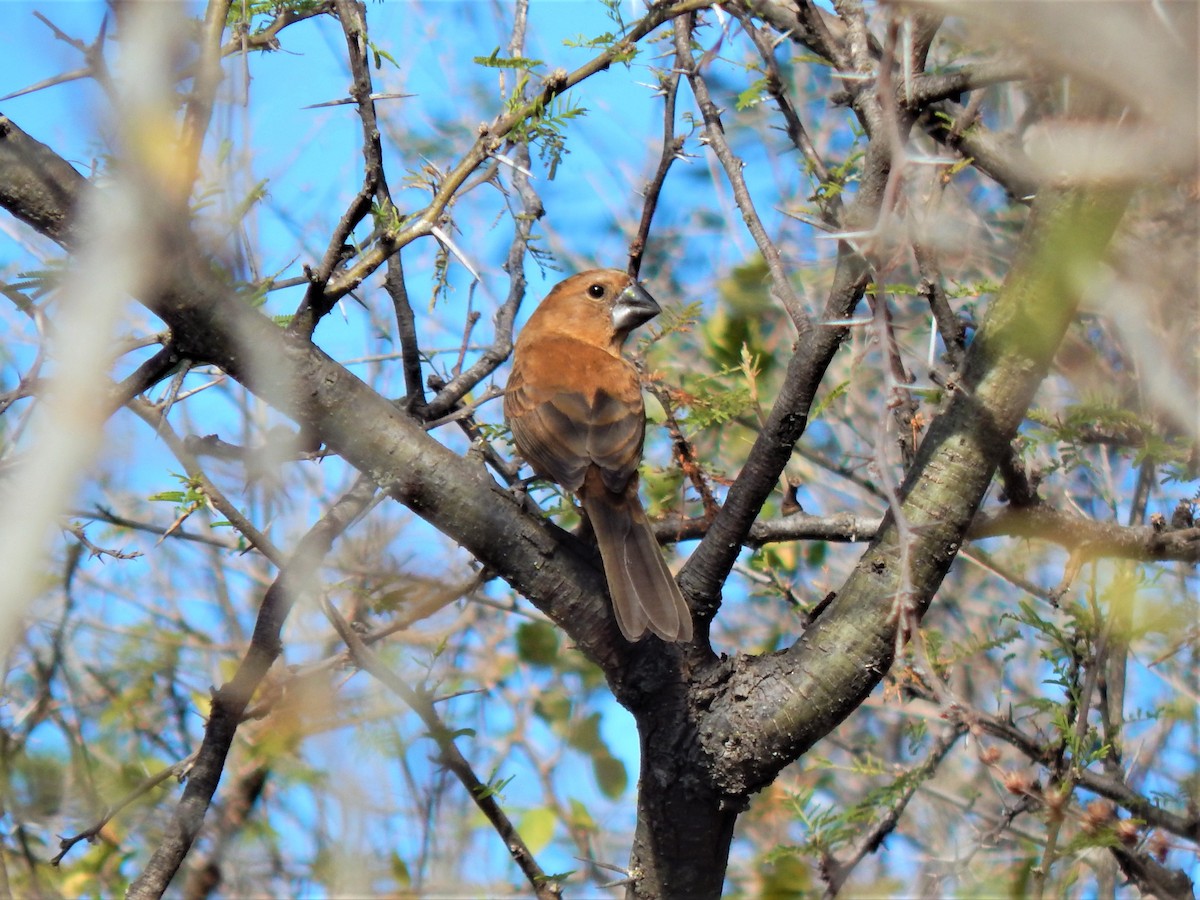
{"points": [[297, 576], [714, 137], [524, 220], [685, 452], [672, 147], [267, 38], [175, 770], [153, 417], [490, 138], [450, 756], [830, 204], [1108, 786], [100, 514], [318, 301], [836, 871], [406, 330], [949, 325]]}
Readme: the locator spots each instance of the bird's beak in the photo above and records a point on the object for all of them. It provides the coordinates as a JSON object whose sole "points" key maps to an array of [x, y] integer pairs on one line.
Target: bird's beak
{"points": [[633, 307]]}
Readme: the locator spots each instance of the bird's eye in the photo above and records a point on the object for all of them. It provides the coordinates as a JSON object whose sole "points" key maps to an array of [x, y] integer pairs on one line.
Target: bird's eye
{"points": [[596, 291]]}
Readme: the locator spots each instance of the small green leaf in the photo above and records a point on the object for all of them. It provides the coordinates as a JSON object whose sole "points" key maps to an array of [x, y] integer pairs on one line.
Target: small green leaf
{"points": [[610, 775], [537, 643], [536, 827], [496, 61]]}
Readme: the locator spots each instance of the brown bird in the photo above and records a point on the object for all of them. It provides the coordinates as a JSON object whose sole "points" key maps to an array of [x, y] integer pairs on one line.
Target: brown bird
{"points": [[574, 404]]}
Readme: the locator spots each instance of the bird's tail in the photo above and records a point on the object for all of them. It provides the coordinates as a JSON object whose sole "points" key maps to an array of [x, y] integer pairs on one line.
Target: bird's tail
{"points": [[644, 594]]}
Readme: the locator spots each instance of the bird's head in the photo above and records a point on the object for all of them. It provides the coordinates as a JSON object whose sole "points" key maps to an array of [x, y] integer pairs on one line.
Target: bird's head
{"points": [[600, 306]]}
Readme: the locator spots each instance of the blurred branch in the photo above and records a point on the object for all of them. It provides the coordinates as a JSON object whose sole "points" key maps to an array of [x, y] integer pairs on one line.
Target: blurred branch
{"points": [[298, 576], [902, 403], [1111, 787], [1086, 537], [267, 37], [927, 88], [1151, 877], [175, 770], [153, 416], [950, 327], [100, 514], [835, 871], [1001, 160], [449, 755], [714, 137], [205, 80]]}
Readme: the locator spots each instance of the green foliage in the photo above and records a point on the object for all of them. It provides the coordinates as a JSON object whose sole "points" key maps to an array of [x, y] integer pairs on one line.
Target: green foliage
{"points": [[536, 827], [36, 283], [601, 42], [828, 399], [613, 10], [742, 320], [676, 318], [752, 96], [192, 497], [378, 55], [544, 124], [784, 875], [495, 61], [241, 14], [494, 787], [842, 174], [34, 784], [611, 775], [537, 643], [711, 405]]}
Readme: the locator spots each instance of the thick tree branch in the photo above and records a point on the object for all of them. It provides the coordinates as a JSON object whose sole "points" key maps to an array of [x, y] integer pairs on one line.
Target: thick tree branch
{"points": [[38, 186], [798, 696], [556, 571], [1087, 538]]}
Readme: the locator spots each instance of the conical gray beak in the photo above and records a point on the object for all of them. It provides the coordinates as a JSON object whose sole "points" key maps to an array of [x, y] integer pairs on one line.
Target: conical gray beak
{"points": [[633, 307]]}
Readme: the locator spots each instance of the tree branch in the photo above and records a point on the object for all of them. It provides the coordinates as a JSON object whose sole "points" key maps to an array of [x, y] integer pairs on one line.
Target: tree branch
{"points": [[448, 754], [297, 577], [798, 696]]}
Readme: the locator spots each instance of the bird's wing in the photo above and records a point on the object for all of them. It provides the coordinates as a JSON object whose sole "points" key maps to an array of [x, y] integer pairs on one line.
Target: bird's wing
{"points": [[572, 406]]}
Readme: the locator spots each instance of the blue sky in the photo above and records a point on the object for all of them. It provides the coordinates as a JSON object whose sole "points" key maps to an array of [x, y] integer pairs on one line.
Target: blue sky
{"points": [[309, 159]]}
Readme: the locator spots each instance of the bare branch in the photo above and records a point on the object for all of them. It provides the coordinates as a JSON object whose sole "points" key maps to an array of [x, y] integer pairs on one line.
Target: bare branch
{"points": [[297, 577], [449, 755]]}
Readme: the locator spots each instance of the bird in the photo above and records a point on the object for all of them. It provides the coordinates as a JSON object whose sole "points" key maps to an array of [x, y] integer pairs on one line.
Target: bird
{"points": [[574, 405]]}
